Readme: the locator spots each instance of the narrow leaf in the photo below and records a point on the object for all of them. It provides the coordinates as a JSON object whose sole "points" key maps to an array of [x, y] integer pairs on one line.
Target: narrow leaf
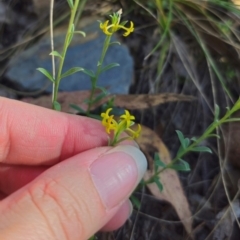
{"points": [[87, 101], [56, 54], [232, 120], [186, 142], [77, 108], [201, 149], [112, 43], [95, 116], [194, 139], [103, 90], [214, 135], [92, 238], [71, 71], [90, 73], [99, 97], [217, 111], [158, 161], [46, 73], [81, 32], [135, 202], [181, 166], [180, 150], [181, 138], [109, 66], [70, 3], [57, 106], [158, 183], [124, 23]]}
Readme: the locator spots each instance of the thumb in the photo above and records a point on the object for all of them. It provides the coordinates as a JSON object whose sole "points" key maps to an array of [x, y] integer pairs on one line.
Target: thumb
{"points": [[75, 198]]}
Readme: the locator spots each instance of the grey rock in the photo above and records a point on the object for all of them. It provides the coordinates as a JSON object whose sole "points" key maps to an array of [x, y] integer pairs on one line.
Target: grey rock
{"points": [[5, 13], [81, 53], [7, 93]]}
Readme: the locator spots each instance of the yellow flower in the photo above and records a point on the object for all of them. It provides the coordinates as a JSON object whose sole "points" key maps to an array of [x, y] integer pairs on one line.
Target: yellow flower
{"points": [[124, 124], [128, 30], [105, 116], [135, 134], [111, 124], [104, 26], [109, 29], [108, 122], [127, 118]]}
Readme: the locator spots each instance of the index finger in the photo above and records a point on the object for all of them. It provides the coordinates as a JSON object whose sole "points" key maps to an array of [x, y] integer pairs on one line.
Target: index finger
{"points": [[33, 135]]}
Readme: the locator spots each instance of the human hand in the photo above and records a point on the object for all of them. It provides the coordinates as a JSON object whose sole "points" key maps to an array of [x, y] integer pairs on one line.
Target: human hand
{"points": [[57, 180]]}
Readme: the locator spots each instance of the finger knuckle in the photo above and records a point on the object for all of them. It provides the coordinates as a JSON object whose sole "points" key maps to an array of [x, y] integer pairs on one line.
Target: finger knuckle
{"points": [[58, 207]]}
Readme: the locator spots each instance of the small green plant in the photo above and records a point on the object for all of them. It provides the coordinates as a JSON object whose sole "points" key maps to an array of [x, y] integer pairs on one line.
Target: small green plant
{"points": [[191, 145], [108, 28], [61, 56]]}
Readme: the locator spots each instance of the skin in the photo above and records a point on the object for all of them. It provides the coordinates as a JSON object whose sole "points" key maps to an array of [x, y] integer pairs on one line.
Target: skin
{"points": [[42, 194]]}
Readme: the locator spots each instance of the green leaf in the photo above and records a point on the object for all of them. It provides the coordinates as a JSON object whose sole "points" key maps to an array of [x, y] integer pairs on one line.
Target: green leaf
{"points": [[236, 106], [109, 66], [56, 106], [232, 120], [217, 111], [90, 73], [180, 150], [158, 183], [158, 161], [180, 166], [183, 141], [71, 71], [194, 139], [201, 149], [95, 116], [214, 135], [103, 90], [81, 32], [77, 108], [124, 23], [99, 97], [109, 104], [70, 3], [115, 42], [135, 201], [92, 238], [56, 54], [46, 73], [186, 142]]}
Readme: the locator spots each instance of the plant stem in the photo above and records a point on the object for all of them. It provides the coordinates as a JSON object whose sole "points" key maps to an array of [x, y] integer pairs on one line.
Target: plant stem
{"points": [[98, 71], [64, 51], [161, 16], [205, 135]]}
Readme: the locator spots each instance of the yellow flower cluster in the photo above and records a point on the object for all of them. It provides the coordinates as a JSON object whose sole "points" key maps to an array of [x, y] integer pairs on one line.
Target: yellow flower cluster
{"points": [[124, 124], [115, 25]]}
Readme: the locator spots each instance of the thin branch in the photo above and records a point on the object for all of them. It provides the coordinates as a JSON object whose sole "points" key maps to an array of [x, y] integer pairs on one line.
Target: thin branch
{"points": [[52, 41]]}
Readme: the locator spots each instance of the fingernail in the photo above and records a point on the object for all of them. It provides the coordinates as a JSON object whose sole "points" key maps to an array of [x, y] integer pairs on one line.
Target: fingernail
{"points": [[129, 142], [117, 173]]}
